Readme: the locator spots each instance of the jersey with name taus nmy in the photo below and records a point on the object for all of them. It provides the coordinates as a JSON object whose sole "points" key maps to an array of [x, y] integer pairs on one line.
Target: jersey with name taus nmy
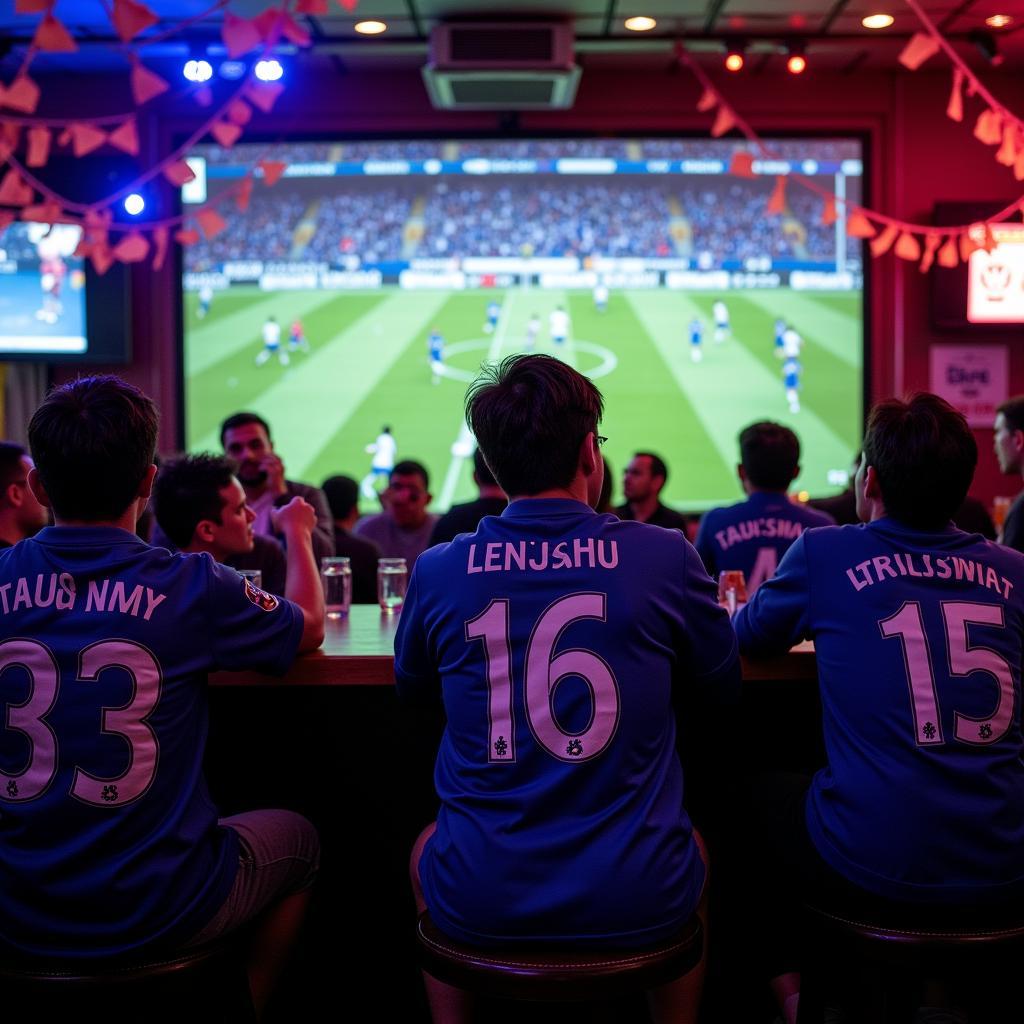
{"points": [[555, 636], [108, 838], [919, 640]]}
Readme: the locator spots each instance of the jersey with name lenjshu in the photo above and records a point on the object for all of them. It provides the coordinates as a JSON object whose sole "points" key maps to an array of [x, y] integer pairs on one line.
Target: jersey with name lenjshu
{"points": [[108, 838], [554, 636], [919, 640]]}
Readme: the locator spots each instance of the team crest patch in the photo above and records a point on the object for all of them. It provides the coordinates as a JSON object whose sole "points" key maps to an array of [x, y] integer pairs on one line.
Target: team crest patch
{"points": [[260, 598]]}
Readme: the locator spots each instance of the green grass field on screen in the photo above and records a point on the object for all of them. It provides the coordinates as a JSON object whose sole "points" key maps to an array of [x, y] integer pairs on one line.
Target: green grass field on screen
{"points": [[368, 367]]}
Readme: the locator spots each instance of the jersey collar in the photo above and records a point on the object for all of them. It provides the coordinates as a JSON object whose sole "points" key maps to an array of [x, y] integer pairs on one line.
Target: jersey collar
{"points": [[529, 507]]}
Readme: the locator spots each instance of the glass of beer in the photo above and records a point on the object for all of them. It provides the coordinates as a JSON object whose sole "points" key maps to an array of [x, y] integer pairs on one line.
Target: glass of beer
{"points": [[732, 589], [392, 577], [336, 577]]}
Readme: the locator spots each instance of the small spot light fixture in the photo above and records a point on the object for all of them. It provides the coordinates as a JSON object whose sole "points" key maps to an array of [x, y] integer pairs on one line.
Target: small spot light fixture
{"points": [[640, 23], [269, 70], [197, 70], [999, 20], [987, 45], [370, 27], [134, 204], [734, 60], [796, 62], [877, 20]]}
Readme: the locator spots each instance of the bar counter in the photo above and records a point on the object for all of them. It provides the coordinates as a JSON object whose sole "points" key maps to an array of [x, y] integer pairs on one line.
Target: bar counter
{"points": [[358, 650]]}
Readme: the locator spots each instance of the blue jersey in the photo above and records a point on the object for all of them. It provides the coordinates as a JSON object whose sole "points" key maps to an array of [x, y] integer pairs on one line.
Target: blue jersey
{"points": [[696, 332], [919, 640], [108, 838], [754, 535], [436, 345], [791, 373], [555, 636]]}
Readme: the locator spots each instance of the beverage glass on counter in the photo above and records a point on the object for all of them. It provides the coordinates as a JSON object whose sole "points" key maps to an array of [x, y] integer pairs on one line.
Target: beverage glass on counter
{"points": [[336, 577], [732, 590], [392, 577], [254, 576]]}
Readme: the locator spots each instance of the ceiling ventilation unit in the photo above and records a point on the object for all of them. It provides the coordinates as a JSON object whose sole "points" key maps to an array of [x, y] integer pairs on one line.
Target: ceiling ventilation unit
{"points": [[502, 66]]}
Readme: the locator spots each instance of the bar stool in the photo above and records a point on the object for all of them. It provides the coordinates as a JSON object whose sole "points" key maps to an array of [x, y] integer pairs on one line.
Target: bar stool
{"points": [[547, 974], [205, 983], [908, 966]]}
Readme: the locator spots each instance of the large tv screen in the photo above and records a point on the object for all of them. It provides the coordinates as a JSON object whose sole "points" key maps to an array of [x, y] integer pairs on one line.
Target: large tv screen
{"points": [[367, 286]]}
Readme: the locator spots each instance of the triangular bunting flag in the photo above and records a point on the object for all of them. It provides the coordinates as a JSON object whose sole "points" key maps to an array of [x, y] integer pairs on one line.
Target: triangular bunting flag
{"points": [[724, 122], [988, 242], [10, 133], [64, 139], [13, 191], [777, 200], [102, 258], [931, 243], [239, 35], [132, 249], [294, 32], [179, 173], [1007, 154], [908, 247], [211, 222], [226, 133], [948, 256], [858, 226], [126, 138], [83, 249], [244, 193], [955, 107], [920, 47], [828, 211], [880, 244], [131, 18], [22, 95], [146, 84], [311, 7], [742, 164], [989, 128], [264, 94], [266, 23], [6, 217], [240, 112], [272, 171], [38, 152], [968, 244], [85, 138], [42, 213], [1018, 167], [349, 5], [187, 236], [52, 37], [708, 101], [160, 236]]}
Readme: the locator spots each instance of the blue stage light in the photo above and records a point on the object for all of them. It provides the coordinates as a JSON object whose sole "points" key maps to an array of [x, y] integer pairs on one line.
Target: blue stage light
{"points": [[269, 70], [134, 204], [198, 70]]}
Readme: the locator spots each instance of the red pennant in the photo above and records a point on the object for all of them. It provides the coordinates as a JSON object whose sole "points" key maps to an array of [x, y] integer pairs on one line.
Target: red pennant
{"points": [[968, 244], [64, 139], [102, 258], [53, 37], [828, 212], [132, 249], [1018, 167], [955, 107], [226, 133], [131, 18], [742, 164], [188, 236], [240, 112], [126, 138], [203, 96], [908, 247], [724, 122], [6, 217], [179, 173], [311, 7], [9, 136], [13, 191], [22, 94], [948, 256], [858, 226], [920, 47], [272, 171], [1007, 154], [988, 242], [85, 138], [266, 23], [349, 5], [83, 249], [294, 32], [160, 236], [146, 84], [211, 222], [239, 35], [264, 94], [31, 6], [38, 153], [989, 128], [931, 243], [708, 101], [882, 243], [777, 201], [244, 193], [42, 213]]}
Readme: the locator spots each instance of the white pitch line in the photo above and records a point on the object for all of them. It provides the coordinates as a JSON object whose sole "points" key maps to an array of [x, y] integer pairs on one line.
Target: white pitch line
{"points": [[464, 441]]}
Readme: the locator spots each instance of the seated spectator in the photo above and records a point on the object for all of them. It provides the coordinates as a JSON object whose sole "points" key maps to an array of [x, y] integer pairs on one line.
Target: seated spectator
{"points": [[1008, 441], [343, 496], [753, 535], [404, 529], [562, 813], [111, 846], [642, 483], [200, 506], [245, 437], [919, 634], [465, 518], [21, 515]]}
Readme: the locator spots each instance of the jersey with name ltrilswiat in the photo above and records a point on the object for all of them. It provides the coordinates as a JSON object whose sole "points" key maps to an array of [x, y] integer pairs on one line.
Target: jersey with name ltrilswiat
{"points": [[108, 838], [555, 636], [754, 535], [919, 640]]}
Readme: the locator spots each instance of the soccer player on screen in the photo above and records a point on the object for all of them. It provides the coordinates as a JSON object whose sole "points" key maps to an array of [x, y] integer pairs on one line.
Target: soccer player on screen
{"points": [[791, 370], [720, 312], [272, 343], [493, 314], [696, 339], [559, 326], [297, 337], [601, 297], [435, 355], [919, 633], [555, 637], [780, 333], [383, 450], [205, 301], [532, 332]]}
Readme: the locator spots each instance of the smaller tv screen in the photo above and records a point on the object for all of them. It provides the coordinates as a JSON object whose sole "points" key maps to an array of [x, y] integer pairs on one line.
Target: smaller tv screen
{"points": [[53, 307], [995, 280]]}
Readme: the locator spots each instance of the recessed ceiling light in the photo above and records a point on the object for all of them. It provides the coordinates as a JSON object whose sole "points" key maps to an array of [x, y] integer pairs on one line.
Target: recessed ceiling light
{"points": [[999, 20], [877, 21], [641, 23], [370, 28]]}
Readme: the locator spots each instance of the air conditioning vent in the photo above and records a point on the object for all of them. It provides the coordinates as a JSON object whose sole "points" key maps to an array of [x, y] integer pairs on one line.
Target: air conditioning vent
{"points": [[515, 66]]}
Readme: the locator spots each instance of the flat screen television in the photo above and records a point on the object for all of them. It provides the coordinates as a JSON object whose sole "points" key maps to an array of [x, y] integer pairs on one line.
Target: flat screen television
{"points": [[366, 288]]}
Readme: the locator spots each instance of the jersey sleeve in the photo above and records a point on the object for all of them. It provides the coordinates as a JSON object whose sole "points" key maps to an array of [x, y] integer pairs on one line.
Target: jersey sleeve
{"points": [[777, 617], [249, 628], [416, 676]]}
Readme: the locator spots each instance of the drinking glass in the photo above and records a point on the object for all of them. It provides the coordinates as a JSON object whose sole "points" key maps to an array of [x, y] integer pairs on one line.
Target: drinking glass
{"points": [[336, 577], [732, 590], [254, 576], [392, 576]]}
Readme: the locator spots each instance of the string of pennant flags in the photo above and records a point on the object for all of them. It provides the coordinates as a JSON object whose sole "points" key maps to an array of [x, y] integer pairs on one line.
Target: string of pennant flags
{"points": [[28, 141]]}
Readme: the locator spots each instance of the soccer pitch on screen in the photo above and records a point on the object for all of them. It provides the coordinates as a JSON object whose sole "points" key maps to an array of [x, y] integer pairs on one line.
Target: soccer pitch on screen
{"points": [[367, 366]]}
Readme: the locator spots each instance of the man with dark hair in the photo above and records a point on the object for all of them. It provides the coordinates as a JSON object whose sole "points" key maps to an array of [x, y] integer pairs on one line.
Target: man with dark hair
{"points": [[108, 841], [343, 496], [465, 518], [642, 483], [1009, 446], [919, 634], [754, 534], [21, 515], [245, 437], [404, 530], [200, 506], [555, 637]]}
